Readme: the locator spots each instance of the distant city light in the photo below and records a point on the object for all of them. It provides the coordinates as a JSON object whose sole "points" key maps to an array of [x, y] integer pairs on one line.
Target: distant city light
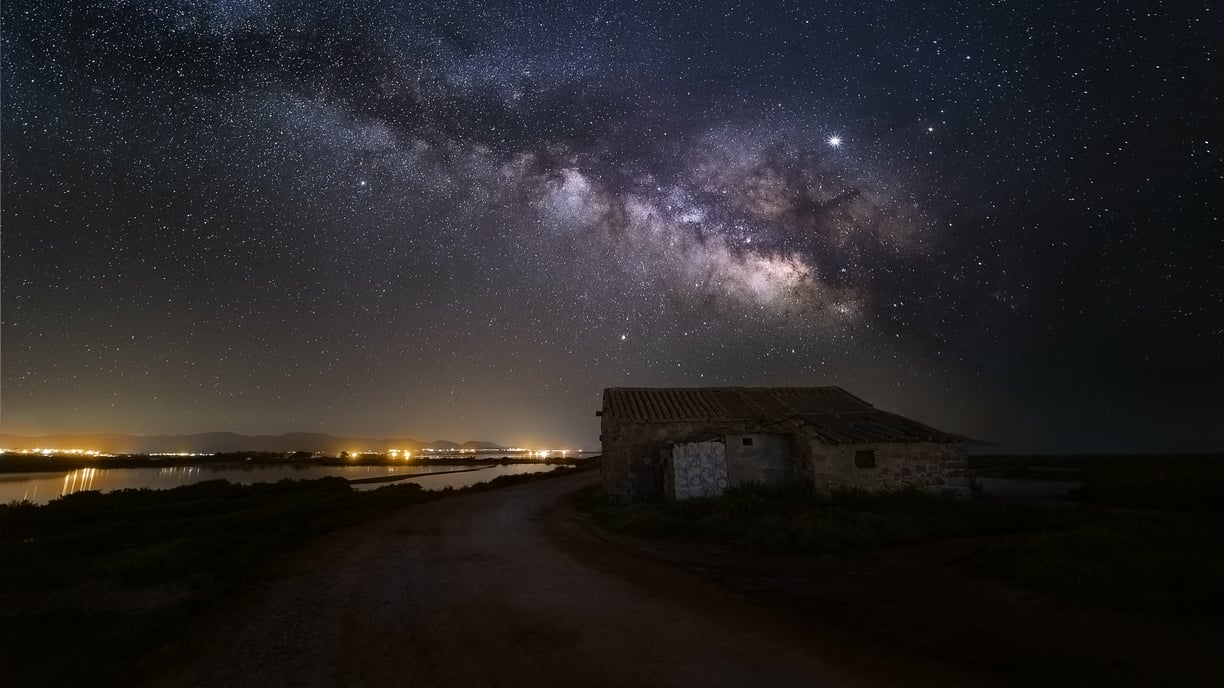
{"points": [[45, 451], [404, 454]]}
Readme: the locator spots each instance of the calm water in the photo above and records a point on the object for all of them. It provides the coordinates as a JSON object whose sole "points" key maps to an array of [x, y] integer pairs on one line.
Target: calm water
{"points": [[41, 488]]}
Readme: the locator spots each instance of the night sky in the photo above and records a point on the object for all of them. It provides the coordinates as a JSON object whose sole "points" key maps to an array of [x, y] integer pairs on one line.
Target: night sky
{"points": [[465, 219]]}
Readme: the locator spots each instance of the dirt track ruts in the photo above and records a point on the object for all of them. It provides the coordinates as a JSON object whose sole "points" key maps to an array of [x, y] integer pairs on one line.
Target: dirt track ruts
{"points": [[496, 589]]}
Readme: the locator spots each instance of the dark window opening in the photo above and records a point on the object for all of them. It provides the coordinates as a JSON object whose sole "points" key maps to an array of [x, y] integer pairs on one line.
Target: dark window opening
{"points": [[747, 441], [864, 458]]}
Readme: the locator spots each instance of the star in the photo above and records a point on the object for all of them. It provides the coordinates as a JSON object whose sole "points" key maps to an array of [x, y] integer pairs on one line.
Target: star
{"points": [[417, 178]]}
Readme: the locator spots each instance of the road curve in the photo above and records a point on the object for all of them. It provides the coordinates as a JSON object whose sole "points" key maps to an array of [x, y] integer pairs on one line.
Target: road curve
{"points": [[494, 589]]}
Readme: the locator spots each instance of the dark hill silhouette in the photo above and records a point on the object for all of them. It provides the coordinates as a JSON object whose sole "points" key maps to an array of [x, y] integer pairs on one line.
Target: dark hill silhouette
{"points": [[473, 444]]}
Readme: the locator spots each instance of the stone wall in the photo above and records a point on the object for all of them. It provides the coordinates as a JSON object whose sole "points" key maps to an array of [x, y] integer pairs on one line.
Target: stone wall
{"points": [[636, 456], [934, 466], [764, 458], [632, 465]]}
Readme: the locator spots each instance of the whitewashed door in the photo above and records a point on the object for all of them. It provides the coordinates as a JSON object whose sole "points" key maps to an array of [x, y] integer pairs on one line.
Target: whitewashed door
{"points": [[699, 469]]}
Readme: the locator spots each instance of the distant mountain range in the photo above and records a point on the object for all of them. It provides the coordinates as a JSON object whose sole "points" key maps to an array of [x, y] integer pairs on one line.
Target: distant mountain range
{"points": [[212, 442]]}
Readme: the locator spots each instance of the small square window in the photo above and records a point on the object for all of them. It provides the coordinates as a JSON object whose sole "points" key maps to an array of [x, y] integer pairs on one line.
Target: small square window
{"points": [[747, 441], [864, 458]]}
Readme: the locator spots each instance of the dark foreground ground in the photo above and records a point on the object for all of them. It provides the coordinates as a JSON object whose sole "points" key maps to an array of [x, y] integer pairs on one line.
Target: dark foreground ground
{"points": [[508, 588], [514, 587], [311, 583]]}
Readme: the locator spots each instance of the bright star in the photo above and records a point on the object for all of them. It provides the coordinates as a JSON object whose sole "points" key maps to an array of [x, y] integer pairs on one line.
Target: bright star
{"points": [[835, 141]]}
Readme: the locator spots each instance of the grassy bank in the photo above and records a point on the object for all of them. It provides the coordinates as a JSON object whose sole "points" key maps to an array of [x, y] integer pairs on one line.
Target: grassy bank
{"points": [[1158, 562], [110, 578]]}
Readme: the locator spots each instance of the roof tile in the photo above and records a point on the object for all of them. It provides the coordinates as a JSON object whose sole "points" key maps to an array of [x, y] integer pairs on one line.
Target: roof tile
{"points": [[830, 413]]}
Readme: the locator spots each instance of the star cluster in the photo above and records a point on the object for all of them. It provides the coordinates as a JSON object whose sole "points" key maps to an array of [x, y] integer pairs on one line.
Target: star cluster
{"points": [[467, 218]]}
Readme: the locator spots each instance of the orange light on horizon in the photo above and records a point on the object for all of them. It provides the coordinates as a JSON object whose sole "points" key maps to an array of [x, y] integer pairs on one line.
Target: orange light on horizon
{"points": [[48, 451]]}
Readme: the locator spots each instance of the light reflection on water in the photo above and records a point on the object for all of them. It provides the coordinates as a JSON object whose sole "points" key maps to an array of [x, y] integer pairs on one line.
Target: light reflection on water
{"points": [[41, 488]]}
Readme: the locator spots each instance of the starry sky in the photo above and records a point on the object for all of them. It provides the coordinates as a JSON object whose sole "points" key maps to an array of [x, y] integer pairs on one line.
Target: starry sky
{"points": [[465, 219]]}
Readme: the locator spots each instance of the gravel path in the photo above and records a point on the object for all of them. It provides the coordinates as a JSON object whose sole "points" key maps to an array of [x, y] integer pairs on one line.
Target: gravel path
{"points": [[497, 589]]}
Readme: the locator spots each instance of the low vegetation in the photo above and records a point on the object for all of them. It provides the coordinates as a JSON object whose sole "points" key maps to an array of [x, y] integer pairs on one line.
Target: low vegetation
{"points": [[805, 521], [111, 577], [1153, 561]]}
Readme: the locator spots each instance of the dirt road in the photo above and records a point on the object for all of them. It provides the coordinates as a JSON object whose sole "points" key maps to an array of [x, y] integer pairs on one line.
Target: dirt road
{"points": [[494, 589]]}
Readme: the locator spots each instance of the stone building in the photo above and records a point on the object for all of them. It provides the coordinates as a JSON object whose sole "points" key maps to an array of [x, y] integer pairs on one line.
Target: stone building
{"points": [[681, 443]]}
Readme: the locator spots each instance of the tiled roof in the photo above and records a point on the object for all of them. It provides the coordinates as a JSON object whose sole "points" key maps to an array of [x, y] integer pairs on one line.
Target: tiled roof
{"points": [[830, 413]]}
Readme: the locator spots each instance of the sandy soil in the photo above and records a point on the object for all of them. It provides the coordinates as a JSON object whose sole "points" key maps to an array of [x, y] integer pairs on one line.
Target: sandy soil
{"points": [[511, 587]]}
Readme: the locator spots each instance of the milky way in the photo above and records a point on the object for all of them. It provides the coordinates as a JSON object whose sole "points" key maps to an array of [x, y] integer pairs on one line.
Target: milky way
{"points": [[463, 219]]}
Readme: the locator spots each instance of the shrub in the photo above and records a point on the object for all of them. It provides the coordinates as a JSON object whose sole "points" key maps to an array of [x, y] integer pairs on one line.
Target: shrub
{"points": [[800, 519]]}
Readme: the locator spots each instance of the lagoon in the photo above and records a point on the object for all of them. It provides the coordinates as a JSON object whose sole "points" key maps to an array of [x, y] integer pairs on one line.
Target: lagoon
{"points": [[41, 488]]}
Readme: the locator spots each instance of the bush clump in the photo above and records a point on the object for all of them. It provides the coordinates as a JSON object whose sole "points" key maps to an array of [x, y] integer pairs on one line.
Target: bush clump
{"points": [[1153, 561], [803, 520]]}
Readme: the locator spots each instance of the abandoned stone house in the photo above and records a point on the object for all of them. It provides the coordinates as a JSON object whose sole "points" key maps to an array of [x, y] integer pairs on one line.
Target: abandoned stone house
{"points": [[680, 443]]}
